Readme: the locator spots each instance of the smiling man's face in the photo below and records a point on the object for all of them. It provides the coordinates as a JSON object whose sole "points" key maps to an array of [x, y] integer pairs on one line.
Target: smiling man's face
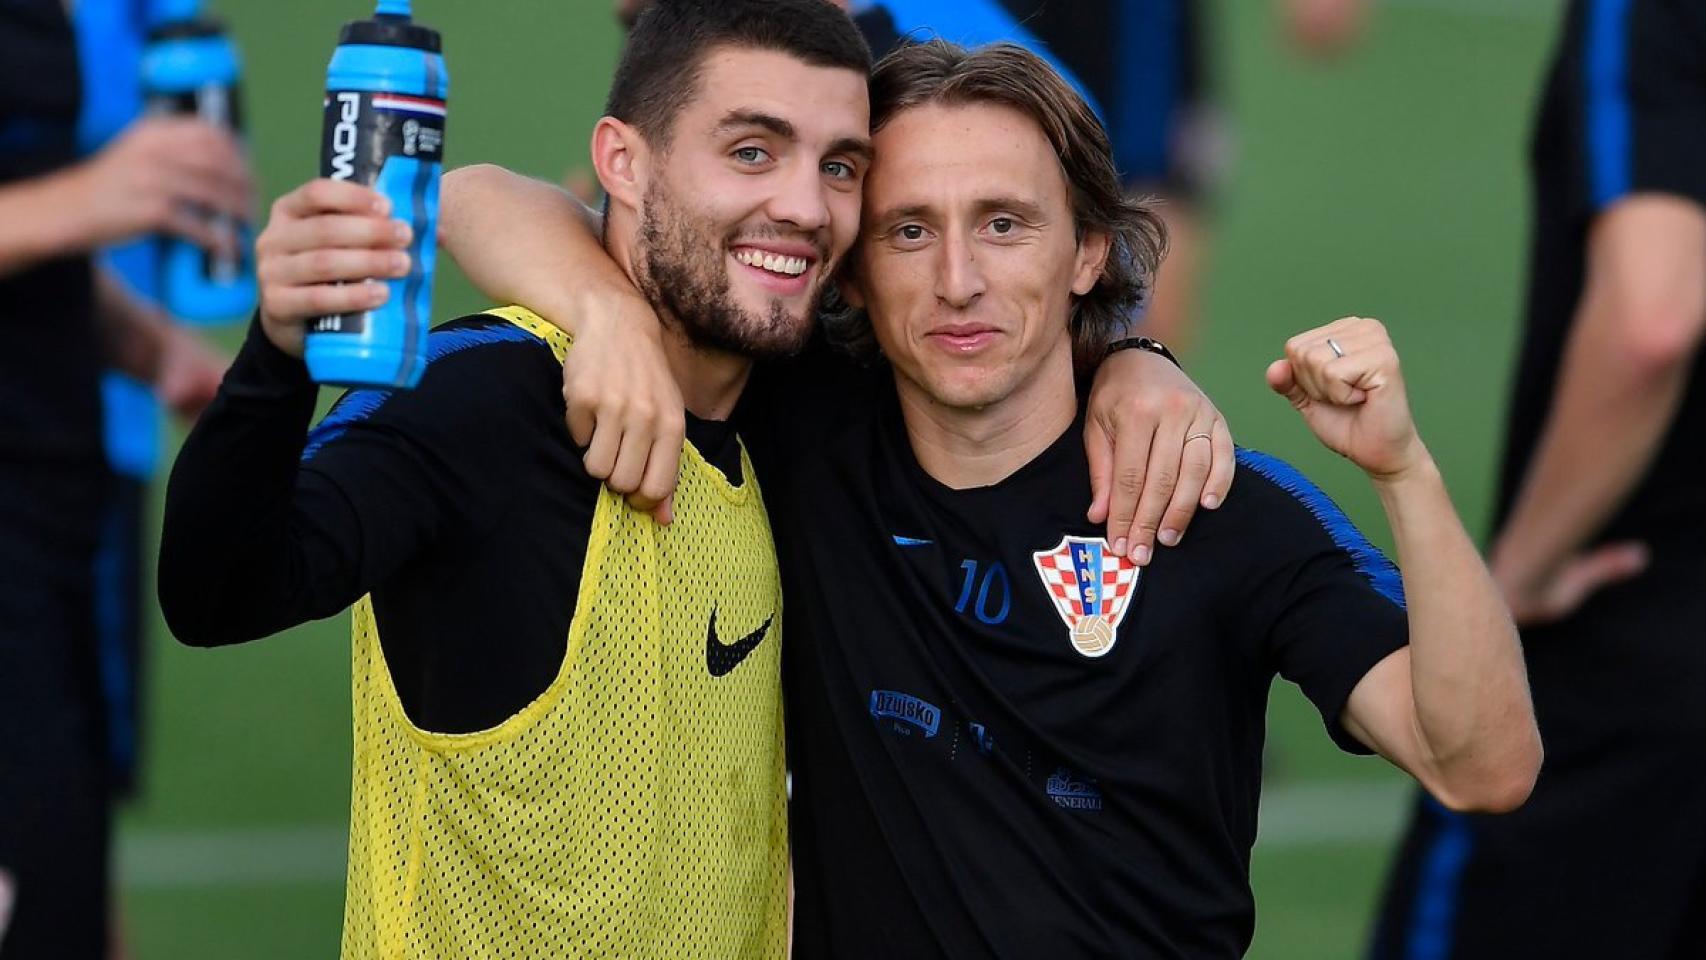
{"points": [[755, 199]]}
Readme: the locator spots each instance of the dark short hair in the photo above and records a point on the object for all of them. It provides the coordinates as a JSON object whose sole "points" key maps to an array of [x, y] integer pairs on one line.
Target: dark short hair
{"points": [[660, 66], [1005, 74]]}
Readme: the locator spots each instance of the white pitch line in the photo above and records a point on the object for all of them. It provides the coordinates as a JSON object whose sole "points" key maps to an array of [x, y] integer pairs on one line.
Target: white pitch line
{"points": [[1304, 815]]}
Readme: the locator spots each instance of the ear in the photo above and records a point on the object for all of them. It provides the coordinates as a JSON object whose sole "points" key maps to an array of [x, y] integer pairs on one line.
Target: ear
{"points": [[622, 160], [1092, 256]]}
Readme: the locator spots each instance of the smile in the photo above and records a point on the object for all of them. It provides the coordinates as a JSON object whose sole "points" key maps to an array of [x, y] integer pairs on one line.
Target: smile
{"points": [[779, 264]]}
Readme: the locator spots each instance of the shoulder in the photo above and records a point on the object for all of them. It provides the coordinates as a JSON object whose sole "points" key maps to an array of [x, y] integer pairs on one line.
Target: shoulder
{"points": [[1292, 519], [484, 370]]}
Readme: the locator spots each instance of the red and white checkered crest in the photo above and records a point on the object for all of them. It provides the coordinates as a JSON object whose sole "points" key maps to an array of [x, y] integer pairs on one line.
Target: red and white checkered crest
{"points": [[1091, 587]]}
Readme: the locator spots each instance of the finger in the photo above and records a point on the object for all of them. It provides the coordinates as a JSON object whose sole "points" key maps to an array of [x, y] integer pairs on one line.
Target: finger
{"points": [[1600, 568], [1100, 453], [190, 224], [285, 303], [663, 462], [1166, 452], [338, 230], [1125, 487], [662, 465], [664, 512], [1196, 459], [601, 453], [331, 196], [1225, 466], [582, 417], [207, 193], [1341, 377], [333, 265], [1309, 367], [630, 466]]}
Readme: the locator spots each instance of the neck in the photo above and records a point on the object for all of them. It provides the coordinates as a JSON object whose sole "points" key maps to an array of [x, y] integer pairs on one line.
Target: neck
{"points": [[965, 447], [710, 380]]}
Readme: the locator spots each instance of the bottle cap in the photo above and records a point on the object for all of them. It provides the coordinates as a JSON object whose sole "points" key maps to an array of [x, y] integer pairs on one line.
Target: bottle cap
{"points": [[388, 31]]}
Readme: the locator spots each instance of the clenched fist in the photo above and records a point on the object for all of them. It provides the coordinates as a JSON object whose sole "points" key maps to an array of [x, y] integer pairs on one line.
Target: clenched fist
{"points": [[1344, 379]]}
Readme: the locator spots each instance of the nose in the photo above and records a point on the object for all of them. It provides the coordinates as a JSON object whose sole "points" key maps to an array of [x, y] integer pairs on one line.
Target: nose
{"points": [[801, 199], [959, 279]]}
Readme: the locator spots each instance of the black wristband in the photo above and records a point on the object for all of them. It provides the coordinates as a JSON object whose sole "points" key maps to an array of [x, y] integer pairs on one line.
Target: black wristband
{"points": [[1142, 343]]}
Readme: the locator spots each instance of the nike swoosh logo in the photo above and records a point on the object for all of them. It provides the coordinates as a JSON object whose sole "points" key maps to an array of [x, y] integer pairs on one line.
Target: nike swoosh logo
{"points": [[721, 658], [901, 541]]}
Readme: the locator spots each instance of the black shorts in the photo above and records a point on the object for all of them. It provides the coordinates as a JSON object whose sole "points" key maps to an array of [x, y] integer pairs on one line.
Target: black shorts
{"points": [[54, 791], [1608, 857]]}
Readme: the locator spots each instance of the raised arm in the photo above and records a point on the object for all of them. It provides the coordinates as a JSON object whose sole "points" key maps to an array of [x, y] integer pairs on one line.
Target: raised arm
{"points": [[1452, 709], [264, 530], [523, 241], [1625, 368]]}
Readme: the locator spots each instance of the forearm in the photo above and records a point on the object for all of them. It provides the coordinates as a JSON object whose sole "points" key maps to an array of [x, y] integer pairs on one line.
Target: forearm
{"points": [[41, 218], [523, 241], [1609, 417], [133, 334], [242, 555], [1473, 721]]}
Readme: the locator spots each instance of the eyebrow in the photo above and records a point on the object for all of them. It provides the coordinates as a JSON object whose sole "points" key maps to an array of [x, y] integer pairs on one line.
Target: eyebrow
{"points": [[1025, 209], [736, 119]]}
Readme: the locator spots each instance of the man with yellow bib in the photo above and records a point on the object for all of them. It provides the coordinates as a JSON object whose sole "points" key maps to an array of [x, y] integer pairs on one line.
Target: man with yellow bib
{"points": [[567, 717]]}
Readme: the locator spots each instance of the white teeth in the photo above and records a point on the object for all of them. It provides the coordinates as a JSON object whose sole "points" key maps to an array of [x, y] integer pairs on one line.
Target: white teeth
{"points": [[788, 266]]}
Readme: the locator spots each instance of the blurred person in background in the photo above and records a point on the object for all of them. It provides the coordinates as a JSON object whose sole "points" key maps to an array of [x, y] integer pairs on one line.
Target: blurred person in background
{"points": [[65, 319], [1143, 65], [1599, 533]]}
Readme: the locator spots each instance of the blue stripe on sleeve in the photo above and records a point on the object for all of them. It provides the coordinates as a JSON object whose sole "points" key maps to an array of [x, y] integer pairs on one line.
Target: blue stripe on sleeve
{"points": [[1607, 99], [358, 405], [1367, 558]]}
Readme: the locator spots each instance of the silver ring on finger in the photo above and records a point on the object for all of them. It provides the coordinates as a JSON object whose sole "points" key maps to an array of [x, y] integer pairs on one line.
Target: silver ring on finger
{"points": [[1332, 344], [1200, 436]]}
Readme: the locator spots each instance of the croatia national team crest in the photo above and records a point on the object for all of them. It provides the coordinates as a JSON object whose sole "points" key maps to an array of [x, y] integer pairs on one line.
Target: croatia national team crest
{"points": [[1091, 587]]}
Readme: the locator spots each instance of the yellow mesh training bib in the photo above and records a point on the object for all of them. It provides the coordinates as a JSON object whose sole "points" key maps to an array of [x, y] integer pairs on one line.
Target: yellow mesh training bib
{"points": [[635, 809]]}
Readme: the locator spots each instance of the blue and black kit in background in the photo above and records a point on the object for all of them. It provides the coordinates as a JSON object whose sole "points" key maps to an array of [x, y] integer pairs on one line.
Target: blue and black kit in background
{"points": [[190, 68], [384, 128]]}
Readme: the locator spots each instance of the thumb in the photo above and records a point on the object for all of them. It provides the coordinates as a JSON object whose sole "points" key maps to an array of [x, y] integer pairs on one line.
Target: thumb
{"points": [[1283, 381], [1100, 453]]}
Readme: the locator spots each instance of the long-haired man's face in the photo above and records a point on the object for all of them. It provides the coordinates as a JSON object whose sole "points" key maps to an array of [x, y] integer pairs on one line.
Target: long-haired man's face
{"points": [[750, 207], [969, 258]]}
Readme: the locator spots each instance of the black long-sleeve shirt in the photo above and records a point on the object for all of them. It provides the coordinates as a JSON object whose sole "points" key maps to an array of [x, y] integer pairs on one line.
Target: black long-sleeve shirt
{"points": [[461, 505]]}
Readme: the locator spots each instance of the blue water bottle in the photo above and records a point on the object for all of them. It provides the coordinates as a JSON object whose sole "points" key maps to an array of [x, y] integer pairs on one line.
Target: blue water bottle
{"points": [[384, 127], [190, 67]]}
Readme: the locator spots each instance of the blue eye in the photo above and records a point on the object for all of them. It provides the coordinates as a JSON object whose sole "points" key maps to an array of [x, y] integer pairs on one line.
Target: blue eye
{"points": [[750, 155], [838, 169]]}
